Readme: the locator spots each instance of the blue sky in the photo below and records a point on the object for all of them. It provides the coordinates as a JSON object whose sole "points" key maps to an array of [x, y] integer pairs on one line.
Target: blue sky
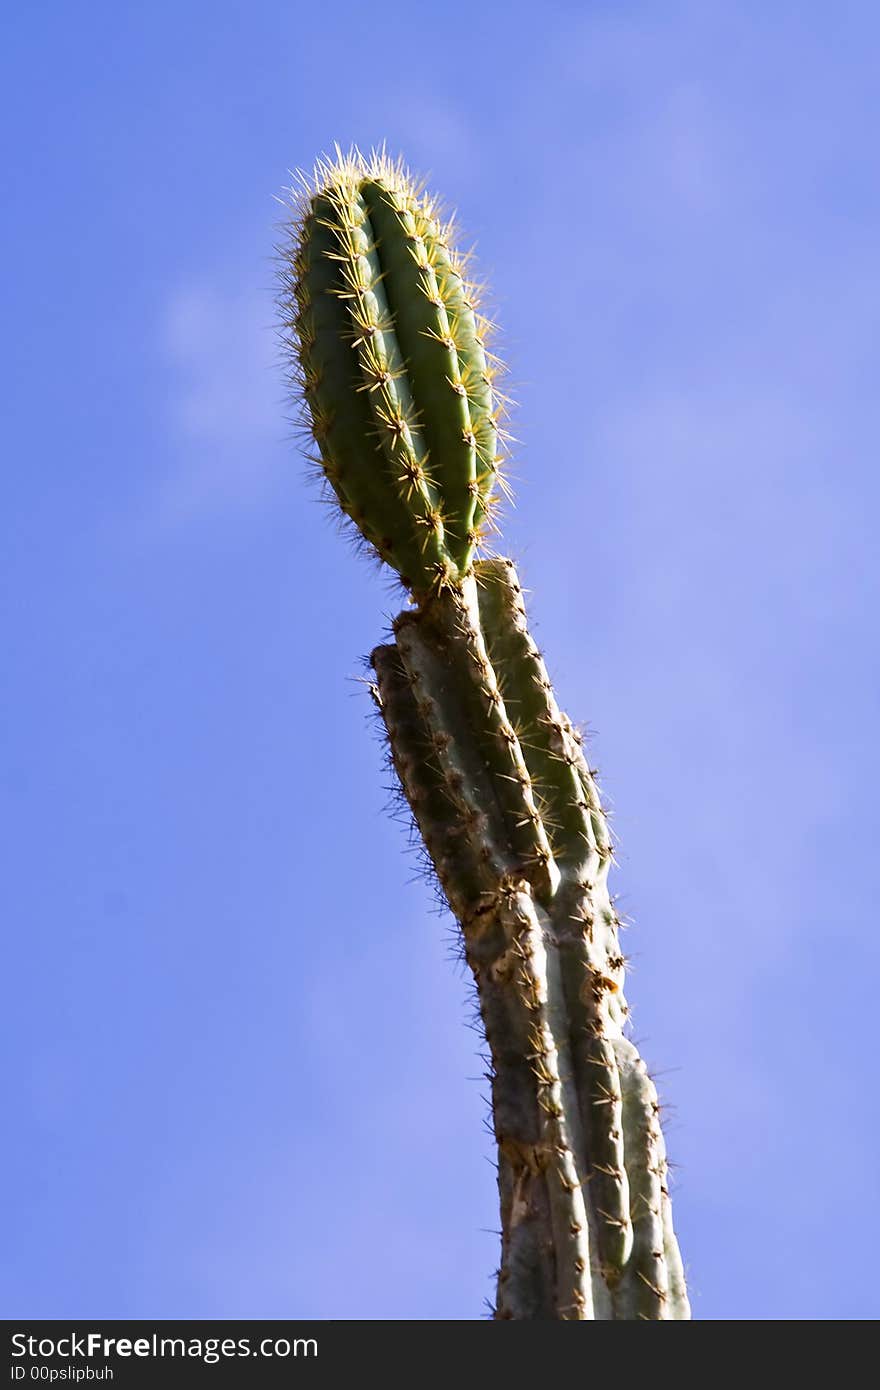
{"points": [[240, 1078]]}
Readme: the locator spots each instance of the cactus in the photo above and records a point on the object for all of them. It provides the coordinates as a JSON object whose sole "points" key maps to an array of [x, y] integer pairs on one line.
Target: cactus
{"points": [[389, 353]]}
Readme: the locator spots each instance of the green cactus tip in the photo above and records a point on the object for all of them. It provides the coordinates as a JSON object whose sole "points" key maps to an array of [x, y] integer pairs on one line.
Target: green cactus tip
{"points": [[388, 347]]}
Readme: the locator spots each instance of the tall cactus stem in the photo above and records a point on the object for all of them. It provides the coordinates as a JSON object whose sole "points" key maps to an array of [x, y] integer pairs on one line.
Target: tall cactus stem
{"points": [[390, 355], [580, 1149]]}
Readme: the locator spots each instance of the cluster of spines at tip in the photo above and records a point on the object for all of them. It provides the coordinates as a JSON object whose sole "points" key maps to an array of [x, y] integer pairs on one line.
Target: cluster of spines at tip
{"points": [[389, 354], [498, 784]]}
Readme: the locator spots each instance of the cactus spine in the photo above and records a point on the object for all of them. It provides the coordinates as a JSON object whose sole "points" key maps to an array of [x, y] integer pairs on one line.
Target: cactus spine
{"points": [[389, 353]]}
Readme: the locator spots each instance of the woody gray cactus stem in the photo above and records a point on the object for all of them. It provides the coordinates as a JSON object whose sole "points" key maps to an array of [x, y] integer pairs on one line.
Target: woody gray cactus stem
{"points": [[391, 359], [494, 773]]}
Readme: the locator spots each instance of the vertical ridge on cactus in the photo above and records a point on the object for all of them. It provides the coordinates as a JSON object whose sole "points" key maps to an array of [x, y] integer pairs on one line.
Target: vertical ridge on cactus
{"points": [[388, 354]]}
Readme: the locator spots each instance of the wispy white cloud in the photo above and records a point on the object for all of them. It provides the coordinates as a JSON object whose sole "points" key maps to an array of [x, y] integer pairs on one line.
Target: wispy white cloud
{"points": [[225, 411]]}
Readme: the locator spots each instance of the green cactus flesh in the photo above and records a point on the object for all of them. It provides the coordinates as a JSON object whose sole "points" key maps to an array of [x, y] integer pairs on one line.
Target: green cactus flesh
{"points": [[394, 369], [398, 389]]}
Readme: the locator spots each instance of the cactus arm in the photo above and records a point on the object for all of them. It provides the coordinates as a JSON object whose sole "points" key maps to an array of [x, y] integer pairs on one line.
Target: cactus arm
{"points": [[527, 1282], [466, 782], [679, 1303], [644, 1291], [451, 621], [470, 877], [536, 976], [466, 874], [534, 1101], [528, 696], [578, 823]]}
